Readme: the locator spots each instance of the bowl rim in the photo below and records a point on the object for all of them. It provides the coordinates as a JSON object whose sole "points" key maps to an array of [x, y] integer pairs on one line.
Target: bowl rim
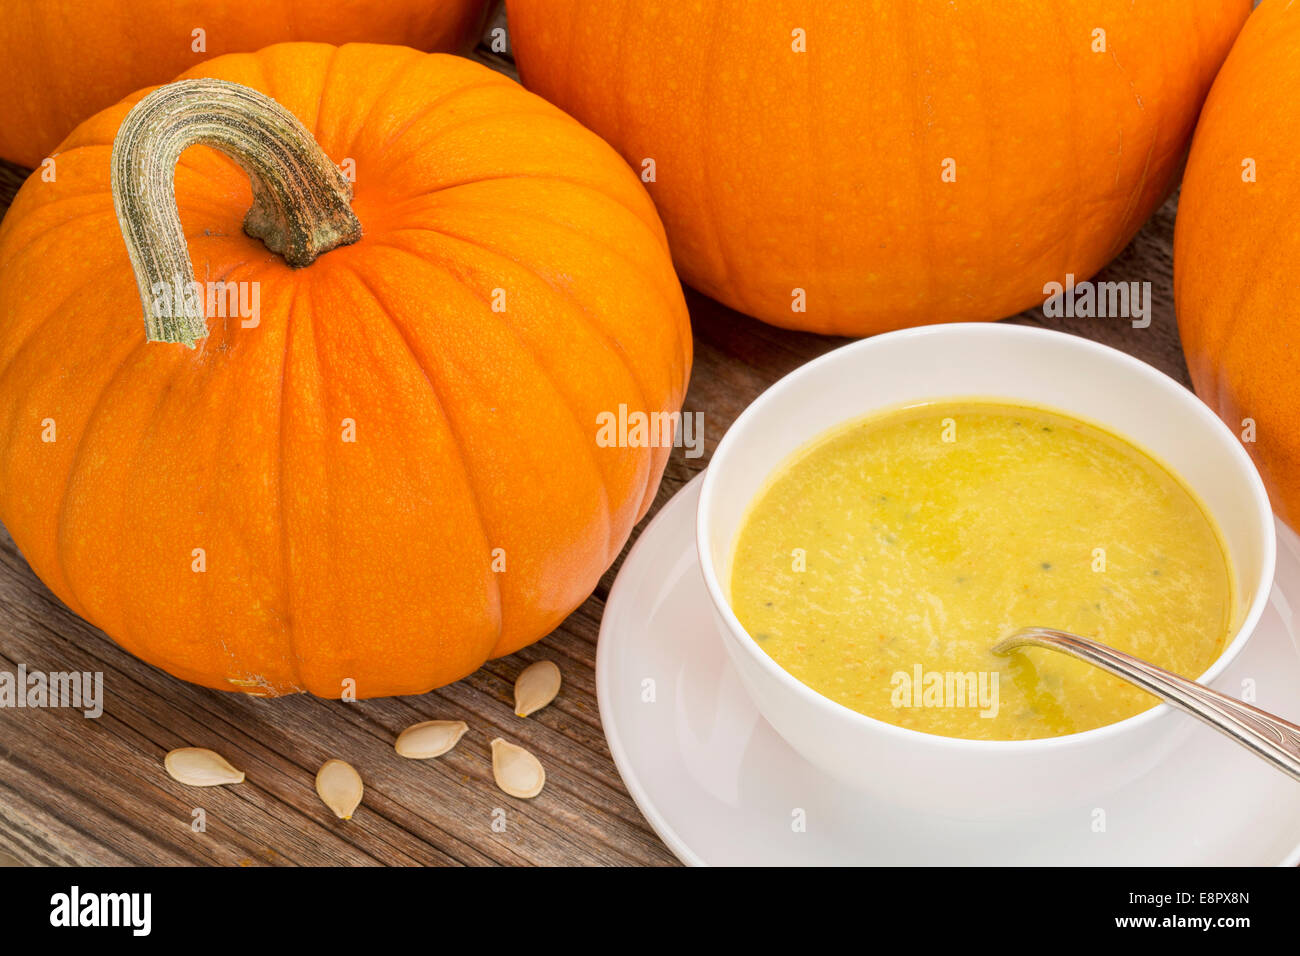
{"points": [[738, 636]]}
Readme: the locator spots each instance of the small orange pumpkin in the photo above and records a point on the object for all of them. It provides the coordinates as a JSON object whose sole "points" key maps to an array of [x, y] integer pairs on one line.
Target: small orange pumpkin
{"points": [[850, 168], [381, 467], [1235, 248], [63, 60]]}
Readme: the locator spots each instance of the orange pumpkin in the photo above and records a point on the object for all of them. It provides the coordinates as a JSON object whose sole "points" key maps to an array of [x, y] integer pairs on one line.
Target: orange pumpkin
{"points": [[391, 469], [62, 60], [1235, 246], [851, 168]]}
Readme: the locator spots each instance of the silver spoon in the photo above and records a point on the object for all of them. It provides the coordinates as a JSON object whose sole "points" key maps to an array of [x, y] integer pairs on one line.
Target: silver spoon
{"points": [[1270, 737]]}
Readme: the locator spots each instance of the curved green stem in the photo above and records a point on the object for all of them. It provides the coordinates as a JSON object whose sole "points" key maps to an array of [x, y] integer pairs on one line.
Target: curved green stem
{"points": [[301, 202]]}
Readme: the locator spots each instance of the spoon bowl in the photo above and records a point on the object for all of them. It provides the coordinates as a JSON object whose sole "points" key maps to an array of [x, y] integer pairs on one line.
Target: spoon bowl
{"points": [[1267, 735]]}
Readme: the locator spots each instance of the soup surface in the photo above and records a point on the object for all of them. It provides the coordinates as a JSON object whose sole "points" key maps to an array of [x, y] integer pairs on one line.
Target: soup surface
{"points": [[880, 564]]}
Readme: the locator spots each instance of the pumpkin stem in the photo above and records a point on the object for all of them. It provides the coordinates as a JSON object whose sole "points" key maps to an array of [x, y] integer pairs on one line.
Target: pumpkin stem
{"points": [[301, 201]]}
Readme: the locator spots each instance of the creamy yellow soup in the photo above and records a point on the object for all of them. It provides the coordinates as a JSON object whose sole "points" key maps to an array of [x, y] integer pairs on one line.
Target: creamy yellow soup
{"points": [[881, 563]]}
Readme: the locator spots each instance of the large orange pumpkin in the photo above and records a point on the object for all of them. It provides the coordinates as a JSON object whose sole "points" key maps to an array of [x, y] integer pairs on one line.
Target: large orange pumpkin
{"points": [[886, 164], [1236, 245], [62, 60], [394, 469]]}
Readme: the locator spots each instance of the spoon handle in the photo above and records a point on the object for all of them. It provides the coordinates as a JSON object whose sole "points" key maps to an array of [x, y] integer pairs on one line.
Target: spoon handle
{"points": [[1271, 737]]}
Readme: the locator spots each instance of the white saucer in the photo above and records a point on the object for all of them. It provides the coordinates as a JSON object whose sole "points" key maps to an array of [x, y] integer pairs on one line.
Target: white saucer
{"points": [[722, 788]]}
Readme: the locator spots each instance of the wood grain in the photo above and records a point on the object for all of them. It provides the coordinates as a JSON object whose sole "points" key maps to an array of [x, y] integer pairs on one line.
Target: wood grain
{"points": [[79, 791]]}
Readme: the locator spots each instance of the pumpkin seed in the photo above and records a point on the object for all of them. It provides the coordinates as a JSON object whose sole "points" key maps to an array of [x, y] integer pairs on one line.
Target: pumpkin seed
{"points": [[536, 687], [517, 772], [339, 785], [200, 767], [433, 738]]}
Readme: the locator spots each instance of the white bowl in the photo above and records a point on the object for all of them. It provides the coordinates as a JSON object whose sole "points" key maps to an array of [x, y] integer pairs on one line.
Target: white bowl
{"points": [[979, 778]]}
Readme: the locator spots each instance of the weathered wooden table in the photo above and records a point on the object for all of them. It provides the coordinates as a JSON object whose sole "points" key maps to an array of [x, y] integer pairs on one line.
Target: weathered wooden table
{"points": [[79, 791]]}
